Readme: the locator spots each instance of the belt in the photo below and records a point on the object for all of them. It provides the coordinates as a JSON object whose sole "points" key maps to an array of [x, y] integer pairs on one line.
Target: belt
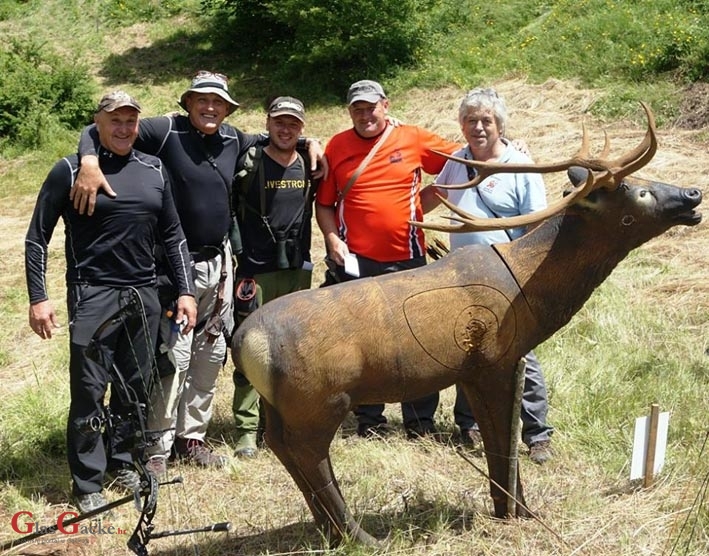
{"points": [[206, 253]]}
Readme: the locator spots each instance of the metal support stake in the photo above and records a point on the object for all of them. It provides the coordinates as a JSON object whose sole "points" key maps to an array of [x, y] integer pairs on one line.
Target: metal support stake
{"points": [[514, 438]]}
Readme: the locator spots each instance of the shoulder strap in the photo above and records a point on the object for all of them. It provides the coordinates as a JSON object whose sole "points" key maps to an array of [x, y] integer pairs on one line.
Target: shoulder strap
{"points": [[252, 165], [353, 178], [210, 158], [308, 194]]}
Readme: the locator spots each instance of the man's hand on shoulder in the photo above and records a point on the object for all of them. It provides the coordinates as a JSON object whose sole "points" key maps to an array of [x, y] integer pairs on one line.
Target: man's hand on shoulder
{"points": [[395, 122], [319, 166], [88, 181], [521, 146]]}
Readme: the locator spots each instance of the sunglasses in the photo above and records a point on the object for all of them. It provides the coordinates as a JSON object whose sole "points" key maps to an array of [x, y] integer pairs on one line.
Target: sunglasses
{"points": [[210, 75]]}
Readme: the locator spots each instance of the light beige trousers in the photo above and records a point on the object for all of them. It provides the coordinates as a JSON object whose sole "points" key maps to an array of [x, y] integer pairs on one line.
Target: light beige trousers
{"points": [[182, 403]]}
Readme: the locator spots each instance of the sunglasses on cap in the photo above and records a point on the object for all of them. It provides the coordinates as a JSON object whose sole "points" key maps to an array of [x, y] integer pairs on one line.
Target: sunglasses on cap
{"points": [[210, 74]]}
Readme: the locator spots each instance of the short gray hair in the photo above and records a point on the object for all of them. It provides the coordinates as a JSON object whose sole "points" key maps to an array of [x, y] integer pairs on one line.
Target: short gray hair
{"points": [[484, 99]]}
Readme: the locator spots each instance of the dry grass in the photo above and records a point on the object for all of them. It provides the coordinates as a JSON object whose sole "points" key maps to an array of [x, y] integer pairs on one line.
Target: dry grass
{"points": [[428, 498]]}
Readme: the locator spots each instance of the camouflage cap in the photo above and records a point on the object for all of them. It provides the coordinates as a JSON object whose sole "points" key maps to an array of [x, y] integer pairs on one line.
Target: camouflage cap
{"points": [[115, 100]]}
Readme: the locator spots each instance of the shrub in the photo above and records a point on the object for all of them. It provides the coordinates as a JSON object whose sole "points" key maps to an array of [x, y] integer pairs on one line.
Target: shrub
{"points": [[40, 94], [332, 43]]}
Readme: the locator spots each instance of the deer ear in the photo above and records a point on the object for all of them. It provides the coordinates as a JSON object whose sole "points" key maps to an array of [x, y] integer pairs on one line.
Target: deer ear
{"points": [[577, 175]]}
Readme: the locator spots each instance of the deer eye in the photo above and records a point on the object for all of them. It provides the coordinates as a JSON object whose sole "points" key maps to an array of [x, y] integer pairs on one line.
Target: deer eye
{"points": [[645, 197]]}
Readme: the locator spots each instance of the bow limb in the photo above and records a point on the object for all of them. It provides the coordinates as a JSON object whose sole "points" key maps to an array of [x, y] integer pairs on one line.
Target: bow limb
{"points": [[141, 535], [132, 307]]}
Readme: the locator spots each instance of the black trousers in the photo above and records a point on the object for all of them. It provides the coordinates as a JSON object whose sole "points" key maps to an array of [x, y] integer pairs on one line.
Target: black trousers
{"points": [[416, 414], [130, 345]]}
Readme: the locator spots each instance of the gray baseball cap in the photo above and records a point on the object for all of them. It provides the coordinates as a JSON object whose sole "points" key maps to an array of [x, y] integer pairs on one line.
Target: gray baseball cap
{"points": [[366, 90]]}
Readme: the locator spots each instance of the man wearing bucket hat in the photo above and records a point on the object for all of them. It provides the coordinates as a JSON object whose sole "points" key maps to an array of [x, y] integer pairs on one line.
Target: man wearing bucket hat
{"points": [[274, 198], [109, 260], [201, 152]]}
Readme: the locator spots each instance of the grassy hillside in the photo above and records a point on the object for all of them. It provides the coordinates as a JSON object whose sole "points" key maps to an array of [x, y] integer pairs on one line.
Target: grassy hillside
{"points": [[642, 337]]}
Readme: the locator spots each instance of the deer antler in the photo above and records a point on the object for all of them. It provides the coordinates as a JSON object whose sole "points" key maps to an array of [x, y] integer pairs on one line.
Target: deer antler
{"points": [[603, 173]]}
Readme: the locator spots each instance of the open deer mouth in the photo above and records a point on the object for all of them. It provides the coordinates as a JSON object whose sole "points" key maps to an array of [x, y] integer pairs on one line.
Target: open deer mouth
{"points": [[689, 218]]}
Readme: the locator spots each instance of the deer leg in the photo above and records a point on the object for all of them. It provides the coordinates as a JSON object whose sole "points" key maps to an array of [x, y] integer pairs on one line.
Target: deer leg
{"points": [[492, 408], [304, 450]]}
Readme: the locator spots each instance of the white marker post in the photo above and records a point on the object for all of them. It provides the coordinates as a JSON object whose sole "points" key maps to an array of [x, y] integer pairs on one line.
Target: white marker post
{"points": [[649, 445]]}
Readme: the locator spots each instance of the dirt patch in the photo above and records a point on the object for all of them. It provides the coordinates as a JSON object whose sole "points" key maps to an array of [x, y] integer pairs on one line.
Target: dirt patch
{"points": [[694, 108]]}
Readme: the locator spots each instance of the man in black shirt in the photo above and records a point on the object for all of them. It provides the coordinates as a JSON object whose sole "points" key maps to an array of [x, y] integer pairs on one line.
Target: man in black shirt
{"points": [[109, 259], [274, 200]]}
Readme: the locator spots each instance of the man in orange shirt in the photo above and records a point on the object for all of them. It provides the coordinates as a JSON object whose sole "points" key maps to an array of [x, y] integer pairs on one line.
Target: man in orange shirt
{"points": [[364, 208]]}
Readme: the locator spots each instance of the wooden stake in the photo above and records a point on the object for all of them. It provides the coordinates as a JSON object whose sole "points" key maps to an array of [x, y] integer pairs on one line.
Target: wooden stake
{"points": [[651, 445], [514, 438]]}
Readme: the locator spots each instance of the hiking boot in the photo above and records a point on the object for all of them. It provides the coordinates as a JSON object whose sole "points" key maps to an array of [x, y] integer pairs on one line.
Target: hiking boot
{"points": [[540, 452], [246, 445], [379, 430], [195, 451], [90, 501], [157, 466], [473, 439], [126, 479]]}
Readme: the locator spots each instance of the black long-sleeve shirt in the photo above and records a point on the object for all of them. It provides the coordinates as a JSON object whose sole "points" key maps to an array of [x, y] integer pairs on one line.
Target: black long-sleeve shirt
{"points": [[201, 169], [114, 247]]}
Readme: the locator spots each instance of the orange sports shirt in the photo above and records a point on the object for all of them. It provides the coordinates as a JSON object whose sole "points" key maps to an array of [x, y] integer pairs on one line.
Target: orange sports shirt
{"points": [[373, 218]]}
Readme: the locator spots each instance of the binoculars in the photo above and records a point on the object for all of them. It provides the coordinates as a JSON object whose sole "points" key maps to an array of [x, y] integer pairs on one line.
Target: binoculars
{"points": [[289, 254]]}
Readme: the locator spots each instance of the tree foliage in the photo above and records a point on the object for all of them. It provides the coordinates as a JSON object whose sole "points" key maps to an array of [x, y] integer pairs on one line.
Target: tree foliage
{"points": [[40, 93], [333, 43]]}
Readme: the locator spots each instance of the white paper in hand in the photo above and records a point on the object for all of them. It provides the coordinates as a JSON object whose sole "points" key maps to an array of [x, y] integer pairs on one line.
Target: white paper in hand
{"points": [[351, 265]]}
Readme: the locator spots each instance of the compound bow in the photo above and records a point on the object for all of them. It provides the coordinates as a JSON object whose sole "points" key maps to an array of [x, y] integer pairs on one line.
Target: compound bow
{"points": [[146, 496]]}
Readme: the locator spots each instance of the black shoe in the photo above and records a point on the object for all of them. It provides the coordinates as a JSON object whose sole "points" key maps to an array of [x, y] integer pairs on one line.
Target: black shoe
{"points": [[420, 431], [90, 501], [380, 430], [473, 439]]}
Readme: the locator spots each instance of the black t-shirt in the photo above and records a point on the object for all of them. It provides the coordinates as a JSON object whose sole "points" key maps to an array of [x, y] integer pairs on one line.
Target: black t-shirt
{"points": [[280, 218]]}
